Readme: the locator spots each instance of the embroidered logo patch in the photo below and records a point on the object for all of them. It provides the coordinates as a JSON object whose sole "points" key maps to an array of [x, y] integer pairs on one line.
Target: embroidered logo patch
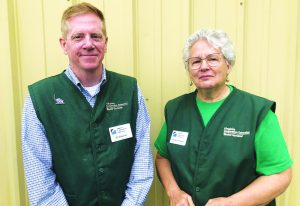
{"points": [[231, 132], [58, 100]]}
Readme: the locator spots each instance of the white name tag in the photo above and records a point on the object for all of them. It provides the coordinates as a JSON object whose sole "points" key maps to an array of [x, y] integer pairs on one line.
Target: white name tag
{"points": [[179, 137], [120, 132]]}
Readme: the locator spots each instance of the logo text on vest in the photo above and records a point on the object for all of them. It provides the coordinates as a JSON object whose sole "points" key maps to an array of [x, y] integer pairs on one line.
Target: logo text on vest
{"points": [[233, 133], [115, 106]]}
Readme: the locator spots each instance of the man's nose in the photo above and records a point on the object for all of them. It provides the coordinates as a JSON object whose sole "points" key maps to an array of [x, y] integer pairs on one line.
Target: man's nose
{"points": [[88, 42]]}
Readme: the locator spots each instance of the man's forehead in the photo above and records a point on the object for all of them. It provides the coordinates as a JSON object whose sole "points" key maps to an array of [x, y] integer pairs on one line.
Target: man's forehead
{"points": [[87, 19], [87, 26]]}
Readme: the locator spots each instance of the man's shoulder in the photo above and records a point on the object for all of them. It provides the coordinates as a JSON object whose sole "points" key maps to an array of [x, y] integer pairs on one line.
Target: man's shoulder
{"points": [[47, 80], [119, 76]]}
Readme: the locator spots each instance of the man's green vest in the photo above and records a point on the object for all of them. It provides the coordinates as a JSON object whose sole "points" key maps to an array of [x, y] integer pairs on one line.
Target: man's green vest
{"points": [[91, 169], [217, 160]]}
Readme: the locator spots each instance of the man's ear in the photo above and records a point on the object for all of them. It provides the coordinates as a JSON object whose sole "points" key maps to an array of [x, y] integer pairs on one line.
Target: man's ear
{"points": [[63, 43], [106, 40]]}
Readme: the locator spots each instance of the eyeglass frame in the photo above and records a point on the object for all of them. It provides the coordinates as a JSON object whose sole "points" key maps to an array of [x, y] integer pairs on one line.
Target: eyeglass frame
{"points": [[202, 59]]}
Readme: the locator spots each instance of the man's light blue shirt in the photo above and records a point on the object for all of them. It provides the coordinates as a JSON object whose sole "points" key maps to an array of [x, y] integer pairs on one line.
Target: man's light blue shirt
{"points": [[41, 180]]}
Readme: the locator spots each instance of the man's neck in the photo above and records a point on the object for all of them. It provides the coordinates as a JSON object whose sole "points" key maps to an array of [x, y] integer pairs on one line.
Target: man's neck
{"points": [[88, 78]]}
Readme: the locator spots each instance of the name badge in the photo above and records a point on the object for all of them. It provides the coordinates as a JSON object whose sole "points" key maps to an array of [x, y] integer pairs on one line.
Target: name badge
{"points": [[120, 132], [179, 137]]}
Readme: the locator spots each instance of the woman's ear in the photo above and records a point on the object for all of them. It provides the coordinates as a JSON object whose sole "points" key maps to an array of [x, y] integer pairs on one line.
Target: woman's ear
{"points": [[229, 67]]}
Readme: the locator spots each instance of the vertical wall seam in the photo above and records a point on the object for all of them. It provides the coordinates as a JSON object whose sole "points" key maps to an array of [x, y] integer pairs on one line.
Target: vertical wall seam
{"points": [[135, 37], [161, 60], [267, 49], [44, 40], [297, 74], [17, 94], [191, 16], [241, 8]]}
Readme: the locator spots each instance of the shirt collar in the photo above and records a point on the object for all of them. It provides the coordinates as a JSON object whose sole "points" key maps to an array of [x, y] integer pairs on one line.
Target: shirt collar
{"points": [[70, 74]]}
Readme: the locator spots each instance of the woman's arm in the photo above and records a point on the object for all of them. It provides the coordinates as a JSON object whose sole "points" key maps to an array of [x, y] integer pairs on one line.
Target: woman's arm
{"points": [[259, 193], [175, 194]]}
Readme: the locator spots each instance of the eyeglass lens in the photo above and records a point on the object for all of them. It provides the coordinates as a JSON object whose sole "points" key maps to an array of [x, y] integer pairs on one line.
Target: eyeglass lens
{"points": [[213, 60]]}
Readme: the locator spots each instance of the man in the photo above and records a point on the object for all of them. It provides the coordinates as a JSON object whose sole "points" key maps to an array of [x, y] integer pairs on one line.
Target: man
{"points": [[85, 134]]}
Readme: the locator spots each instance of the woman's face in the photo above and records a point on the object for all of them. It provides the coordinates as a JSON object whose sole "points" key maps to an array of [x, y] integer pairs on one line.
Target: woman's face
{"points": [[210, 73]]}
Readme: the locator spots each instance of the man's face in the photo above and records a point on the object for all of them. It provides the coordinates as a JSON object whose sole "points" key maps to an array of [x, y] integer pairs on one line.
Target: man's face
{"points": [[85, 43]]}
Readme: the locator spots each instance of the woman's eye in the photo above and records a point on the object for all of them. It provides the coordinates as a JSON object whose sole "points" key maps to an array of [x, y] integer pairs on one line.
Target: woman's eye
{"points": [[196, 62]]}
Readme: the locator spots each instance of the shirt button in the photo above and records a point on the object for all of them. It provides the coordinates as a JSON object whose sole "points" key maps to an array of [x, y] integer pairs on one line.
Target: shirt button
{"points": [[100, 147], [197, 189]]}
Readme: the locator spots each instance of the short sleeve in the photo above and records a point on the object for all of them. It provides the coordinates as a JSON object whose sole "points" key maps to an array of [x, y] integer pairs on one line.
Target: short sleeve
{"points": [[161, 141], [271, 149]]}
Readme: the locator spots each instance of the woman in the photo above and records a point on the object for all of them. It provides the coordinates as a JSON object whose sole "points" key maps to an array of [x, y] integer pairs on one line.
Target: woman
{"points": [[220, 145]]}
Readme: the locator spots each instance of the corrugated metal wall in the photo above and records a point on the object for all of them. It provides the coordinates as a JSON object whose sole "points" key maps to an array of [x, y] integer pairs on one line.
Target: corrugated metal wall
{"points": [[146, 40]]}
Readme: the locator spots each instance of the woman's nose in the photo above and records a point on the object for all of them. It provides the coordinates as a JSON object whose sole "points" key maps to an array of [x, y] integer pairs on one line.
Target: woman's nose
{"points": [[204, 65]]}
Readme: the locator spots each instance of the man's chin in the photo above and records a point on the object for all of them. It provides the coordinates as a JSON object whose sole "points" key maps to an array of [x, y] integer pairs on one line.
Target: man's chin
{"points": [[91, 66]]}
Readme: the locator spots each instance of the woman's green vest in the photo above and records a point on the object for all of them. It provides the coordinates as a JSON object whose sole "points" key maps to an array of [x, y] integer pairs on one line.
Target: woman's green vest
{"points": [[217, 160], [90, 168]]}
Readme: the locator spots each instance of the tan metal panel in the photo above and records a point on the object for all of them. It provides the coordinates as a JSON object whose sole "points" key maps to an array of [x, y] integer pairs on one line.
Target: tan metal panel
{"points": [[147, 64], [119, 25], [9, 187], [175, 29], [55, 60], [30, 38]]}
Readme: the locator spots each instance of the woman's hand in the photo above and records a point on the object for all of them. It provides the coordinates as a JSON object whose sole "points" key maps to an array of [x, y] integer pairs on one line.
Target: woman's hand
{"points": [[180, 198], [220, 201]]}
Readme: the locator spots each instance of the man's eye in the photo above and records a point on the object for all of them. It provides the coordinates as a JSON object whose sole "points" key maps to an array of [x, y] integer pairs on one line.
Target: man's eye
{"points": [[96, 36], [76, 37]]}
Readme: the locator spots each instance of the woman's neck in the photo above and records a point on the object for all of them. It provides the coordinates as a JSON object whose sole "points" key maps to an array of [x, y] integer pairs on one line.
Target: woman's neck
{"points": [[213, 95]]}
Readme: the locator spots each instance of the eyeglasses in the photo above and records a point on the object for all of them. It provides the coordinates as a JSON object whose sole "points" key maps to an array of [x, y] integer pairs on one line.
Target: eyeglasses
{"points": [[213, 60]]}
